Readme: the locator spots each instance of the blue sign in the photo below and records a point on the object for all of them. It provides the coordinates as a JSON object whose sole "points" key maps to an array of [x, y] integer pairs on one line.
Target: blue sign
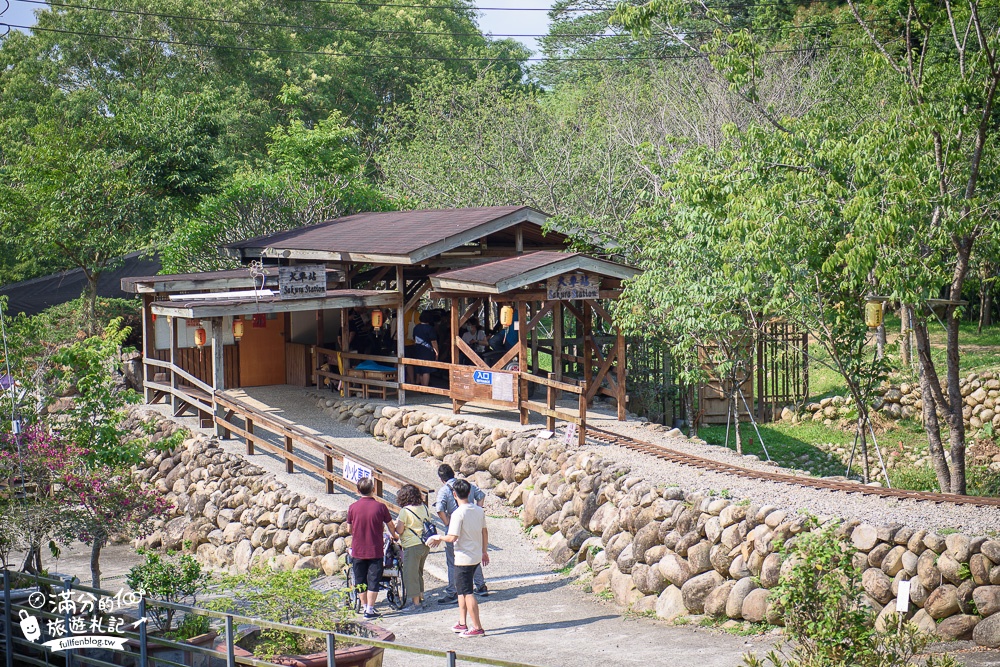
{"points": [[482, 377]]}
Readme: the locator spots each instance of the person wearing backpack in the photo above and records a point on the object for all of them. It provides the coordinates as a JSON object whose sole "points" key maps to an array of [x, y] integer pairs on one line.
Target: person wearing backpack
{"points": [[415, 526], [446, 505]]}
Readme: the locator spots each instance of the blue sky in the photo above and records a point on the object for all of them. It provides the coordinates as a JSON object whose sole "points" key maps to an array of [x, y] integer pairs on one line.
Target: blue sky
{"points": [[496, 22]]}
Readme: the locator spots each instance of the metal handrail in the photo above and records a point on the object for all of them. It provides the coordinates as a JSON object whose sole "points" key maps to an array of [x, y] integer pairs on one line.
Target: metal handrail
{"points": [[450, 656]]}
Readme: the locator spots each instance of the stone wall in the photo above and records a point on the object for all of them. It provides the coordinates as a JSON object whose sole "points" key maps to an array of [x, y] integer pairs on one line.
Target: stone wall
{"points": [[981, 393], [652, 548]]}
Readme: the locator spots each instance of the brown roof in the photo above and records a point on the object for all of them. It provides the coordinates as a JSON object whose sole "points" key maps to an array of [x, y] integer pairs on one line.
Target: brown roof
{"points": [[395, 233], [247, 305], [228, 279], [515, 272]]}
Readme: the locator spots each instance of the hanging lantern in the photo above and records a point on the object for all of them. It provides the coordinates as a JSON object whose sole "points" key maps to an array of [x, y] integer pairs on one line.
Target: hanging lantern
{"points": [[377, 319], [237, 328], [200, 337], [873, 313], [506, 316]]}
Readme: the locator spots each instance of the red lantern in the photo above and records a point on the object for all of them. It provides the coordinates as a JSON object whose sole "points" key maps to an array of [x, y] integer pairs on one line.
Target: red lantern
{"points": [[377, 319], [238, 328], [200, 337]]}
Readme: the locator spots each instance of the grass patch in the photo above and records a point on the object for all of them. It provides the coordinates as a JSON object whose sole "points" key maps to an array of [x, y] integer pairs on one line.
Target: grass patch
{"points": [[791, 446]]}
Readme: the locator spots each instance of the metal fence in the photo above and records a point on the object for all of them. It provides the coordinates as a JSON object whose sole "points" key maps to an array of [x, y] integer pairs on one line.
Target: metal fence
{"points": [[19, 650]]}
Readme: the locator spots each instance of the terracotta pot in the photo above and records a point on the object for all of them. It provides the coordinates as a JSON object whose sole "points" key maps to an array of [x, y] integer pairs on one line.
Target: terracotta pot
{"points": [[353, 656]]}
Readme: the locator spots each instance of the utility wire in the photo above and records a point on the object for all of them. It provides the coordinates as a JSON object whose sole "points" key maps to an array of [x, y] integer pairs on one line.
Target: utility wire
{"points": [[255, 49], [367, 31]]}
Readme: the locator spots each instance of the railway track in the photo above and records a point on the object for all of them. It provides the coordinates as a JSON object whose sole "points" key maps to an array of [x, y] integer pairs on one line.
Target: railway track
{"points": [[682, 458]]}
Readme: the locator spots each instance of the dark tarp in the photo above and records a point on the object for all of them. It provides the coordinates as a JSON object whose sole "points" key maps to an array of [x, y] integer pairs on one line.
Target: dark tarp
{"points": [[33, 296]]}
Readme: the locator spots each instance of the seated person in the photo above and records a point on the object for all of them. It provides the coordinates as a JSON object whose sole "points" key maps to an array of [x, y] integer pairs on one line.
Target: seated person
{"points": [[474, 336]]}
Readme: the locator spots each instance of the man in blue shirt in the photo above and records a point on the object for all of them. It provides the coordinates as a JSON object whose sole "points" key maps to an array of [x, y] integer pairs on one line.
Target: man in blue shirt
{"points": [[446, 505]]}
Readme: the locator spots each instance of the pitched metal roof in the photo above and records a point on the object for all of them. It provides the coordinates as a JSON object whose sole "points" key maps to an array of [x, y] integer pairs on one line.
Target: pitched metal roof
{"points": [[208, 280], [273, 303], [406, 236], [515, 272]]}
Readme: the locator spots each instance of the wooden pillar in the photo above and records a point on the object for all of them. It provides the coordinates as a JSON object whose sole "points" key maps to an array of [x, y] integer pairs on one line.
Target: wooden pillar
{"points": [[249, 434], [586, 337], [522, 357], [622, 396], [534, 340], [148, 344], [557, 342], [218, 369], [176, 405], [320, 342], [550, 403], [453, 330], [401, 333], [581, 434], [519, 239]]}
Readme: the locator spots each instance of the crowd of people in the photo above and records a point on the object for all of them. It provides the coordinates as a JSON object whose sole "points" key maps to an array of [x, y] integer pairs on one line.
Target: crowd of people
{"points": [[459, 508]]}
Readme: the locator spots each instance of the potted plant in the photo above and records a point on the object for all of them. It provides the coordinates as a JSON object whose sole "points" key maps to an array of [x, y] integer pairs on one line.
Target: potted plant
{"points": [[291, 598], [179, 580]]}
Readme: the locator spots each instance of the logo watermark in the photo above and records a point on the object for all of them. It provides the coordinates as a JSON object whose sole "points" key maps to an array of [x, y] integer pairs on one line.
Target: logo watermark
{"points": [[87, 620]]}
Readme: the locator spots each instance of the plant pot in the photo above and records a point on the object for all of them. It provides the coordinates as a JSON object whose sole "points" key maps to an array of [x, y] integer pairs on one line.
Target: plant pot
{"points": [[189, 658], [349, 656]]}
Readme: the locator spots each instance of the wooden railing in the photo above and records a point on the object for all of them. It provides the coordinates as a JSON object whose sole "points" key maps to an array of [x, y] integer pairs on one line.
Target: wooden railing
{"points": [[325, 356], [198, 395], [295, 441], [549, 409]]}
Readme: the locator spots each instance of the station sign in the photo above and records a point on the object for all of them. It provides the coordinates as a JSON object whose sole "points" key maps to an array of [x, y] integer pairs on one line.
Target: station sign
{"points": [[572, 286], [304, 281]]}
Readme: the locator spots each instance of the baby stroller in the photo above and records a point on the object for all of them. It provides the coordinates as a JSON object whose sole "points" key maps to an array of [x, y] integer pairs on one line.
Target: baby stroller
{"points": [[391, 581]]}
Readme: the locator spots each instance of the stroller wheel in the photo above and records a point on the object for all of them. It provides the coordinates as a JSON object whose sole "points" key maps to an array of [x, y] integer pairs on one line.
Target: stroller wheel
{"points": [[394, 593], [353, 599]]}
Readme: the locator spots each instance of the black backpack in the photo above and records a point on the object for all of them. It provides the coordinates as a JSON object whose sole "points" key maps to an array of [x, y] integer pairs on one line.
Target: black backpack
{"points": [[428, 529]]}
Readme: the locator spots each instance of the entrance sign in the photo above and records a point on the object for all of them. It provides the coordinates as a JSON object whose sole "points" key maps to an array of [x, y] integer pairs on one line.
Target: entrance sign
{"points": [[482, 377], [302, 282], [354, 471], [573, 286]]}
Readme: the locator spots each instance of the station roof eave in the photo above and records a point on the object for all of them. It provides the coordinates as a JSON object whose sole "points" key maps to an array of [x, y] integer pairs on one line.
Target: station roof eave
{"points": [[513, 273], [228, 279], [391, 237], [243, 305]]}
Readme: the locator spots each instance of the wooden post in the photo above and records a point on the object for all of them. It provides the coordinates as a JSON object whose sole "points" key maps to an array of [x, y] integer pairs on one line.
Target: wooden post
{"points": [[330, 486], [148, 343], [218, 370], [557, 342], [522, 357], [401, 334], [455, 407], [550, 403], [320, 342], [290, 448], [622, 396], [581, 433], [249, 434], [534, 342], [176, 405], [519, 239], [586, 337]]}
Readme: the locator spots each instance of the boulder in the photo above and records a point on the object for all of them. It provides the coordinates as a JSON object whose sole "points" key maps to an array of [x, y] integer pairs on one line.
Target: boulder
{"points": [[877, 584], [959, 626], [893, 561], [950, 568], [924, 622], [864, 537], [987, 599], [991, 549], [670, 604], [770, 571], [715, 603], [755, 606], [623, 588], [698, 557], [987, 632], [696, 589], [958, 546], [942, 602], [734, 605], [675, 569], [927, 571]]}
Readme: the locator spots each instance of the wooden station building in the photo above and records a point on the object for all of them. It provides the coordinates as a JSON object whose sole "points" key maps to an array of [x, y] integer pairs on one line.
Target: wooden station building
{"points": [[281, 319]]}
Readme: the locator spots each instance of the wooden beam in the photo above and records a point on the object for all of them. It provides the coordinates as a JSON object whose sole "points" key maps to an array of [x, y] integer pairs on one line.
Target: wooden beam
{"points": [[508, 355], [208, 309], [175, 402], [519, 239], [461, 346], [455, 340], [320, 343], [148, 344], [401, 334], [542, 312], [588, 332], [557, 340], [415, 299], [522, 357]]}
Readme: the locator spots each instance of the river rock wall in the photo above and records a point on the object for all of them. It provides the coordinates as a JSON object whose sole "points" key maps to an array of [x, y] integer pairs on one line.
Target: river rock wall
{"points": [[650, 547]]}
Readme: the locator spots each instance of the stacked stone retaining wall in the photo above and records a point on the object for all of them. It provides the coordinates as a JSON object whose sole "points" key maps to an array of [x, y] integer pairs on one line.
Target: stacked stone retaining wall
{"points": [[651, 547]]}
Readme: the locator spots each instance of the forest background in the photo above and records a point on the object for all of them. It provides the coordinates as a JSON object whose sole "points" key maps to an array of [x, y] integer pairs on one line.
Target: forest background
{"points": [[774, 159]]}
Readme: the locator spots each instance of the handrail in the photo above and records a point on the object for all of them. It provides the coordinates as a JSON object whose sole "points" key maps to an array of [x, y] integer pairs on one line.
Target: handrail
{"points": [[313, 632], [200, 384]]}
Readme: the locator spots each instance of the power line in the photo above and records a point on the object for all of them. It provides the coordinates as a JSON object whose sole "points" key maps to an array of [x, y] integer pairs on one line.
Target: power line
{"points": [[375, 56]]}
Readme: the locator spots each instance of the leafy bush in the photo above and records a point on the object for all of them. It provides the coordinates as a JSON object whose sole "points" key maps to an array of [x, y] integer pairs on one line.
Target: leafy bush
{"points": [[174, 579], [820, 599], [285, 597]]}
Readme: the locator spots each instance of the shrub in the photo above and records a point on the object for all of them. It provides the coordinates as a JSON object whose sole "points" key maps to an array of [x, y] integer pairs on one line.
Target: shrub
{"points": [[820, 599], [174, 579]]}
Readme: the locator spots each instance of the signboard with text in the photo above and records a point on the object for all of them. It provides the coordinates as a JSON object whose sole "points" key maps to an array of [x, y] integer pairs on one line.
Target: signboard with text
{"points": [[302, 282], [573, 286], [354, 471]]}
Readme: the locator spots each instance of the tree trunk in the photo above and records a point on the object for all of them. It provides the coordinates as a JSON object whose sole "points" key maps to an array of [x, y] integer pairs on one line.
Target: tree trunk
{"points": [[95, 562], [866, 473], [689, 412], [880, 340], [985, 307], [736, 419], [904, 335], [956, 422], [90, 302], [928, 381]]}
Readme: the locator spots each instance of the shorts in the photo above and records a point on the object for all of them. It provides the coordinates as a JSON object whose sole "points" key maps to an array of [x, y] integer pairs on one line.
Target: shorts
{"points": [[368, 571], [464, 576]]}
